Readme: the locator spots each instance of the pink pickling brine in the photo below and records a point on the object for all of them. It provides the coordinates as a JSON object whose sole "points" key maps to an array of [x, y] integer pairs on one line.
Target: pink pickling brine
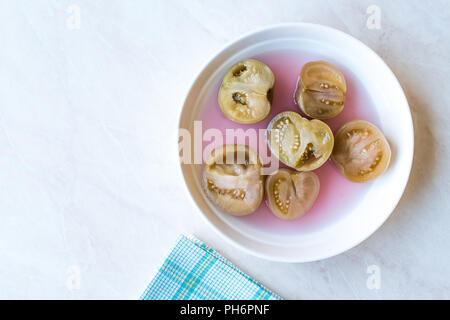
{"points": [[335, 190]]}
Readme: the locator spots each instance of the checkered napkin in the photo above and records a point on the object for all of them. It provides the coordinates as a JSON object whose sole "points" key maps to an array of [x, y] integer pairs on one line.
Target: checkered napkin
{"points": [[194, 271]]}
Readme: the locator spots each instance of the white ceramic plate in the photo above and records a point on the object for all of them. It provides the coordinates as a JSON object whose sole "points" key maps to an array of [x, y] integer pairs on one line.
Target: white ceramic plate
{"points": [[394, 116]]}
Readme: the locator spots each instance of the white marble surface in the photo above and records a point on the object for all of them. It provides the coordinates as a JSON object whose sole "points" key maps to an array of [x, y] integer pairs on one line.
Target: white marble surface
{"points": [[88, 116]]}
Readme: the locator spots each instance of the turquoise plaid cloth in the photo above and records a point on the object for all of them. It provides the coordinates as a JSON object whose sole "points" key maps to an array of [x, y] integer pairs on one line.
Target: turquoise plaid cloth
{"points": [[194, 271]]}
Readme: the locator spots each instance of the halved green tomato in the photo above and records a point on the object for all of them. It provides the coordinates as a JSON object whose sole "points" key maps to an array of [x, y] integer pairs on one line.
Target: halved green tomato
{"points": [[290, 194], [298, 142], [246, 92], [321, 90], [361, 151], [232, 179]]}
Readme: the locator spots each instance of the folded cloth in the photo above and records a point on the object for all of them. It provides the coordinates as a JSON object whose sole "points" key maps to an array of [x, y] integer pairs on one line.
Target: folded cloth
{"points": [[194, 271]]}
